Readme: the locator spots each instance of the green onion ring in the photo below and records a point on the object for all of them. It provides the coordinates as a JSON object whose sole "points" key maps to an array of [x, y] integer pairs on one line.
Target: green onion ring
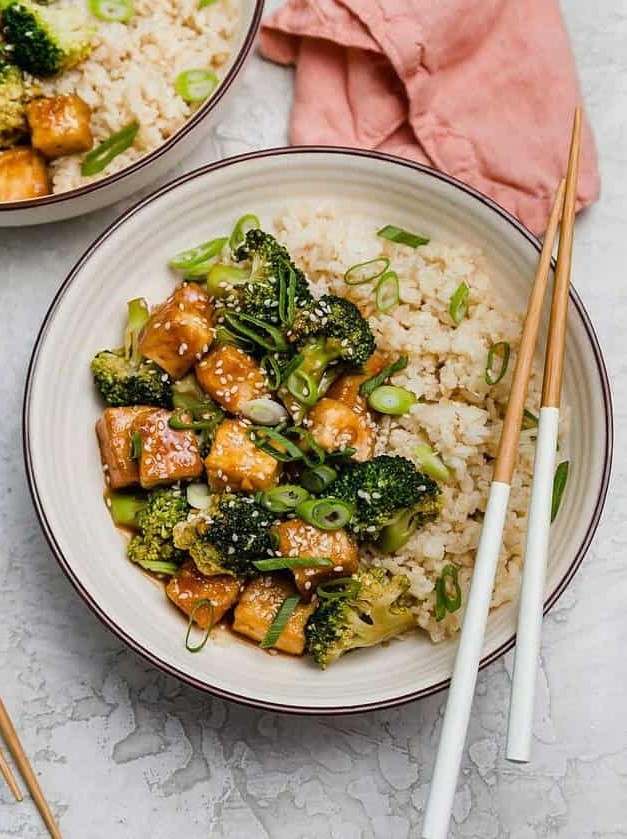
{"points": [[242, 226], [196, 85], [340, 588], [318, 478], [388, 399], [112, 11], [283, 499], [263, 436], [559, 485], [443, 601], [177, 422], [325, 513], [198, 605], [356, 275], [271, 370], [402, 237], [303, 387], [280, 621], [374, 382], [387, 293], [136, 445], [502, 349], [459, 303], [99, 158], [281, 563], [198, 255], [431, 464]]}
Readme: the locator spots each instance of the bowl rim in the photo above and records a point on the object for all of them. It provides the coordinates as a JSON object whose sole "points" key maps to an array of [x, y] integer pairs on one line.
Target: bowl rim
{"points": [[171, 669], [195, 119]]}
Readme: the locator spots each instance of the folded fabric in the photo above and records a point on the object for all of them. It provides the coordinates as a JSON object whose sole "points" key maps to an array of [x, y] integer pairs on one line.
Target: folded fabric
{"points": [[484, 90]]}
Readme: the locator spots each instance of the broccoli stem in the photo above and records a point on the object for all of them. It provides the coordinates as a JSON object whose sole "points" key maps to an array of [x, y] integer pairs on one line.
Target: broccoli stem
{"points": [[138, 316], [125, 507], [396, 534]]}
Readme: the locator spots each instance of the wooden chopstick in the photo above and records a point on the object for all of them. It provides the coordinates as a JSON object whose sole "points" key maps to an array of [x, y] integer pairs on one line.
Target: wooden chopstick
{"points": [[459, 703], [529, 632], [9, 777], [30, 779]]}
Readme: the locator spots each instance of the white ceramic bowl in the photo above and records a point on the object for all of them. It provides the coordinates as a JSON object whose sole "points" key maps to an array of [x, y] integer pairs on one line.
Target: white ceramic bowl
{"points": [[128, 260], [85, 199]]}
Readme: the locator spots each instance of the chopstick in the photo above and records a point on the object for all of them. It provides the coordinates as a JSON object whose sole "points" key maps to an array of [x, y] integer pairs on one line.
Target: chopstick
{"points": [[458, 707], [19, 756], [9, 777], [520, 728]]}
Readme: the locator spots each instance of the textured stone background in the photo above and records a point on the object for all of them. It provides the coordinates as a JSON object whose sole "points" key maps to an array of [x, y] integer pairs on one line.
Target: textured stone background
{"points": [[123, 751]]}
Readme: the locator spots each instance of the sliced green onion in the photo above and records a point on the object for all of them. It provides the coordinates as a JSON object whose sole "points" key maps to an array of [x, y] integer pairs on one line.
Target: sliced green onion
{"points": [[388, 399], [444, 601], [402, 237], [529, 420], [376, 381], [303, 387], [242, 226], [318, 478], [325, 513], [221, 278], [280, 621], [199, 605], [198, 255], [315, 454], [459, 303], [283, 499], [340, 588], [203, 3], [136, 445], [349, 451], [177, 422], [366, 272], [257, 330], [387, 293], [559, 485], [195, 85], [112, 11], [271, 370], [198, 496], [264, 411], [99, 158], [501, 351], [225, 336], [430, 463], [158, 567], [272, 442], [282, 563]]}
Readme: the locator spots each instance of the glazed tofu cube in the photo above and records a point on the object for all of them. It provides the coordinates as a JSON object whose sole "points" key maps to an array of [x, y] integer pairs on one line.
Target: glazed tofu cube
{"points": [[188, 586], [336, 426], [296, 538], [59, 125], [231, 377], [166, 455], [23, 174], [235, 463], [346, 388], [114, 431], [257, 608], [179, 331]]}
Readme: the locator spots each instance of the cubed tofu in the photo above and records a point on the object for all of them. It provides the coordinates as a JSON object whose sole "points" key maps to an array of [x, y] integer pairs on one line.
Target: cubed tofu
{"points": [[114, 430], [336, 426], [296, 538], [188, 586], [231, 377], [235, 463], [179, 331], [23, 174], [166, 455], [346, 388], [60, 125], [257, 608]]}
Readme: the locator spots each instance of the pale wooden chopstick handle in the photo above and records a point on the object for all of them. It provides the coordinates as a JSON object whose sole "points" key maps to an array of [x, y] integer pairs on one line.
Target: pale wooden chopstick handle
{"points": [[508, 446], [30, 779], [529, 631], [9, 777], [554, 359], [459, 703]]}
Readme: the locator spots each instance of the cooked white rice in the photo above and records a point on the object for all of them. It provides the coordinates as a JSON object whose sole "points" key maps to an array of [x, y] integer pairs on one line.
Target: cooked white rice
{"points": [[458, 414], [131, 72]]}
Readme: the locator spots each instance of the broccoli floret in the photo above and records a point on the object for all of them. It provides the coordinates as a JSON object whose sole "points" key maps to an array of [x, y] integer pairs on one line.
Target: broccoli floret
{"points": [[154, 516], [330, 334], [45, 41], [370, 616], [228, 537], [205, 414], [13, 99], [390, 497], [257, 292], [123, 377]]}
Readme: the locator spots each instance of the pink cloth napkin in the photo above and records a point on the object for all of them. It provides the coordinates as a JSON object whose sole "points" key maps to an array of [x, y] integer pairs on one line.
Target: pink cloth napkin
{"points": [[481, 89]]}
